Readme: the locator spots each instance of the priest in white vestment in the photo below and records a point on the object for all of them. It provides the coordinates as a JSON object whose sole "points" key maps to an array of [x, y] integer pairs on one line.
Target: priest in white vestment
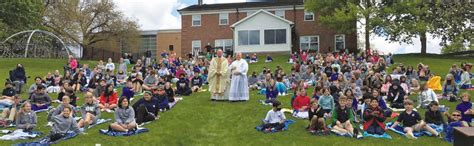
{"points": [[218, 77], [239, 87]]}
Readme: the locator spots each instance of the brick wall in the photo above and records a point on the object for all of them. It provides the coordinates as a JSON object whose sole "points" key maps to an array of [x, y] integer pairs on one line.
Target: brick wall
{"points": [[165, 39]]}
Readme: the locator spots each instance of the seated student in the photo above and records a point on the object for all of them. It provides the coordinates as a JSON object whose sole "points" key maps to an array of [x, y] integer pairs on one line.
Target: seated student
{"points": [[162, 98], [26, 118], [254, 58], [466, 108], [10, 114], [146, 108], [124, 117], [271, 92], [466, 78], [302, 101], [450, 89], [374, 118], [247, 57], [414, 86], [79, 81], [57, 111], [169, 92], [40, 99], [8, 93], [280, 86], [275, 118], [196, 82], [433, 115], [70, 93], [396, 96], [38, 82], [253, 81], [182, 86], [62, 124], [128, 90], [454, 121], [426, 97], [90, 111], [138, 83], [108, 99], [316, 118], [121, 77], [375, 94], [411, 121], [404, 84], [150, 81], [343, 117], [269, 59], [100, 89], [326, 101]]}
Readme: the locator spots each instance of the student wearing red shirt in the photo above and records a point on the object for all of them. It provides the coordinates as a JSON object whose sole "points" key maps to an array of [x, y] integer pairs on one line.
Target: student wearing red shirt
{"points": [[301, 102], [109, 99]]}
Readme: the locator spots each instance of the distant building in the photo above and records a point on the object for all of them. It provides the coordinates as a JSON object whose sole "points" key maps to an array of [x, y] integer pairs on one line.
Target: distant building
{"points": [[148, 43], [169, 41], [269, 26]]}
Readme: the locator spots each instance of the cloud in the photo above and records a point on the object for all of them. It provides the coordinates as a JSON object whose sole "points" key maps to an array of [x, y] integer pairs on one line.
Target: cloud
{"points": [[152, 14]]}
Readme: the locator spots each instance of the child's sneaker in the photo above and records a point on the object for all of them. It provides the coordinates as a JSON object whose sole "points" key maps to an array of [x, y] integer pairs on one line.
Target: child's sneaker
{"points": [[410, 136]]}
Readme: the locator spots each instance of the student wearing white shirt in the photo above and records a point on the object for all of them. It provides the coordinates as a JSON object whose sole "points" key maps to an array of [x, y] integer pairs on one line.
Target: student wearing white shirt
{"points": [[110, 65], [275, 118]]}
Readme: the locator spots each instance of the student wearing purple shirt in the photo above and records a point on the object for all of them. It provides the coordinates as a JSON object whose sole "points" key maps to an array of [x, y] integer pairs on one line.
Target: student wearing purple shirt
{"points": [[128, 91], [466, 108]]}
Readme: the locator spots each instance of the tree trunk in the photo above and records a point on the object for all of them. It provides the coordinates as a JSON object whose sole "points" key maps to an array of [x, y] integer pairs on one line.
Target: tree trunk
{"points": [[423, 42], [367, 35]]}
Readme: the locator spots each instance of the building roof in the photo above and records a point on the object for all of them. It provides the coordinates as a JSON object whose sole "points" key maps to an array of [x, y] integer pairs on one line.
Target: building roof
{"points": [[220, 6], [148, 32], [258, 12], [169, 30]]}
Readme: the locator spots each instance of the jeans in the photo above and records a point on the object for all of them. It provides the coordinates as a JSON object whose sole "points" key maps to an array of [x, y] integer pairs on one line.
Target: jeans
{"points": [[142, 115]]}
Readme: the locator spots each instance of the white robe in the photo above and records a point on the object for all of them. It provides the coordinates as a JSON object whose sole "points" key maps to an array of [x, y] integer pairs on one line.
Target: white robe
{"points": [[239, 89]]}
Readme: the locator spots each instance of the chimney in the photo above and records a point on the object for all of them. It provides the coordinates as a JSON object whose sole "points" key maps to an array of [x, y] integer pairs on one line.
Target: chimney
{"points": [[199, 2]]}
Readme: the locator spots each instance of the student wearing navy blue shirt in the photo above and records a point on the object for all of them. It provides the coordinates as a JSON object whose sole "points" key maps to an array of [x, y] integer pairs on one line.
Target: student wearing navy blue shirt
{"points": [[128, 91], [196, 82], [162, 98], [169, 92], [411, 121], [466, 108], [182, 86], [146, 109], [269, 58], [271, 92]]}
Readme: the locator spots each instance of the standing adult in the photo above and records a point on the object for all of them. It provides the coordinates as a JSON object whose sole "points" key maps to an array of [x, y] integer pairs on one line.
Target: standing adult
{"points": [[18, 77], [239, 89], [218, 76]]}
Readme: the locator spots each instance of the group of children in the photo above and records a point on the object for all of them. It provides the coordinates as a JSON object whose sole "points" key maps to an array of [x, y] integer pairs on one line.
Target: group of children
{"points": [[356, 93]]}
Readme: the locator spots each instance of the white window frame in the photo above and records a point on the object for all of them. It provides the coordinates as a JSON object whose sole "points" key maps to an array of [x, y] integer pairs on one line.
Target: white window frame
{"points": [[195, 47], [282, 13], [343, 40], [196, 17], [309, 43], [223, 43], [248, 37], [223, 16], [308, 13], [274, 37]]}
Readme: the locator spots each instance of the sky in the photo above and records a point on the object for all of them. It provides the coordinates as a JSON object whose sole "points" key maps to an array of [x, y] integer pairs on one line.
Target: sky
{"points": [[162, 14]]}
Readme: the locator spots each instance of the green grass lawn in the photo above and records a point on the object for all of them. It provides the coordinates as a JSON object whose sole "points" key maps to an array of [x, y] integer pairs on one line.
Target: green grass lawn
{"points": [[198, 121]]}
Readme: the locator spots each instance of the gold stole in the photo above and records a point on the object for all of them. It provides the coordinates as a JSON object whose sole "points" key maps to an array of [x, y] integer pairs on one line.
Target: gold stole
{"points": [[218, 78]]}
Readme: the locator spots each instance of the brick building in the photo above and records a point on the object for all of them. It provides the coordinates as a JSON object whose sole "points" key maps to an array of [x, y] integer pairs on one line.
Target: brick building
{"points": [[276, 26]]}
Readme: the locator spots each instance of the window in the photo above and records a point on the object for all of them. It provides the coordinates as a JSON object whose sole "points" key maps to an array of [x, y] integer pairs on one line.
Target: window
{"points": [[223, 18], [196, 20], [196, 46], [280, 13], [275, 36], [308, 16], [309, 42], [249, 37], [224, 44], [340, 42]]}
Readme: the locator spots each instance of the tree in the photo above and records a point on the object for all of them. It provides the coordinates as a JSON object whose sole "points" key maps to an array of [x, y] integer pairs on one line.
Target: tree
{"points": [[19, 15], [342, 15], [404, 20], [88, 23], [455, 46]]}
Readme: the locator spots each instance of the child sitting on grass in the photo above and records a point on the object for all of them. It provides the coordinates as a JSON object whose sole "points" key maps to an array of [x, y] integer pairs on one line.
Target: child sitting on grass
{"points": [[271, 92], [254, 59], [196, 82], [62, 124], [275, 119], [90, 111], [182, 86], [326, 101], [411, 121], [433, 115], [374, 118], [26, 118], [56, 111], [124, 117], [269, 59], [342, 118], [466, 108], [108, 99], [39, 99], [301, 102], [316, 118], [128, 90]]}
